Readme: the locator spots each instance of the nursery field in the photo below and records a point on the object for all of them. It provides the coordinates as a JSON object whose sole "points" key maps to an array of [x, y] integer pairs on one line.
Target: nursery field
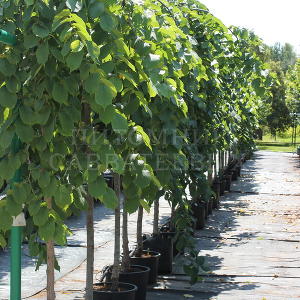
{"points": [[280, 144]]}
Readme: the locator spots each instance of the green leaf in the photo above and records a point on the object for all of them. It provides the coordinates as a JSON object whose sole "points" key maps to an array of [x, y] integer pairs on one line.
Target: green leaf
{"points": [[40, 30], [108, 22], [60, 234], [41, 218], [6, 68], [14, 208], [24, 132], [97, 188], [60, 93], [20, 193], [91, 83], [119, 123], [63, 197], [13, 85], [117, 83], [7, 99], [76, 46], [30, 41], [74, 60], [106, 115], [44, 179], [105, 93], [143, 178], [145, 205], [2, 241], [6, 137], [42, 53], [94, 50], [34, 207], [146, 139], [46, 232], [110, 198], [66, 123], [6, 220], [121, 46], [96, 9]]}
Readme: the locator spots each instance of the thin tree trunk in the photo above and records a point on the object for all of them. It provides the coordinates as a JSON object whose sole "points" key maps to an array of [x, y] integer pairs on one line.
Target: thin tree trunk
{"points": [[116, 266], [172, 225], [50, 262], [156, 217], [125, 257], [90, 244], [210, 170], [139, 232], [90, 248]]}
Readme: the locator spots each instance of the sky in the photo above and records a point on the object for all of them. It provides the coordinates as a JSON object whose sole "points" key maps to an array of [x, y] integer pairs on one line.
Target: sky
{"points": [[272, 20]]}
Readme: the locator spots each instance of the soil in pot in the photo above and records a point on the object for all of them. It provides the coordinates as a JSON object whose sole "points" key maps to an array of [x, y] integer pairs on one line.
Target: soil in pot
{"points": [[149, 259], [102, 291], [199, 212], [162, 243], [139, 276]]}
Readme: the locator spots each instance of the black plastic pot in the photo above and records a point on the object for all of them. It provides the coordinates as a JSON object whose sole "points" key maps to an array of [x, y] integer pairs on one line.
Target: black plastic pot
{"points": [[228, 182], [126, 291], [199, 212], [234, 174], [238, 168], [150, 260], [162, 243], [210, 206], [206, 205], [222, 186], [216, 197], [138, 276]]}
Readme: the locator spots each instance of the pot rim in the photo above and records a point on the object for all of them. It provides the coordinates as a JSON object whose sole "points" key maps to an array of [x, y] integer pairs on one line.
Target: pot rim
{"points": [[131, 287], [144, 269]]}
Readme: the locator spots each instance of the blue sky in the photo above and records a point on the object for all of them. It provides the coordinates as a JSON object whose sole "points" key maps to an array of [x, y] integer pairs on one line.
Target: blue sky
{"points": [[272, 20]]}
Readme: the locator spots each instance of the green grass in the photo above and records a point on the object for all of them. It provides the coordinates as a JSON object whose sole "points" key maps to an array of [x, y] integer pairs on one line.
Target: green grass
{"points": [[282, 144]]}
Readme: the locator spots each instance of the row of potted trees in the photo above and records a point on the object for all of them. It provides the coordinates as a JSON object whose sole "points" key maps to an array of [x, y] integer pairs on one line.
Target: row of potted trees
{"points": [[149, 90], [154, 254]]}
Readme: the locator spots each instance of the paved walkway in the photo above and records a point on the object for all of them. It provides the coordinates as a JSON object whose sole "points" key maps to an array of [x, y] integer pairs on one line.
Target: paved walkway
{"points": [[252, 243]]}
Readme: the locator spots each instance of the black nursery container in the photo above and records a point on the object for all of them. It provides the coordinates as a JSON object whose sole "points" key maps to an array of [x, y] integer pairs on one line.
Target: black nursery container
{"points": [[216, 198], [162, 243], [150, 260], [125, 291], [199, 213], [139, 276]]}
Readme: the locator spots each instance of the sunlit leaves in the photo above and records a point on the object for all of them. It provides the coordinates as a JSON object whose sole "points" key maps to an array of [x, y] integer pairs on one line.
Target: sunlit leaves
{"points": [[105, 92]]}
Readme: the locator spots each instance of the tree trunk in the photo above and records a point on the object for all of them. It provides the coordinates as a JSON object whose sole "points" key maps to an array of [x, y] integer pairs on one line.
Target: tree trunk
{"points": [[156, 217], [89, 248], [90, 244], [116, 266], [139, 232], [125, 257], [50, 262], [172, 225]]}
